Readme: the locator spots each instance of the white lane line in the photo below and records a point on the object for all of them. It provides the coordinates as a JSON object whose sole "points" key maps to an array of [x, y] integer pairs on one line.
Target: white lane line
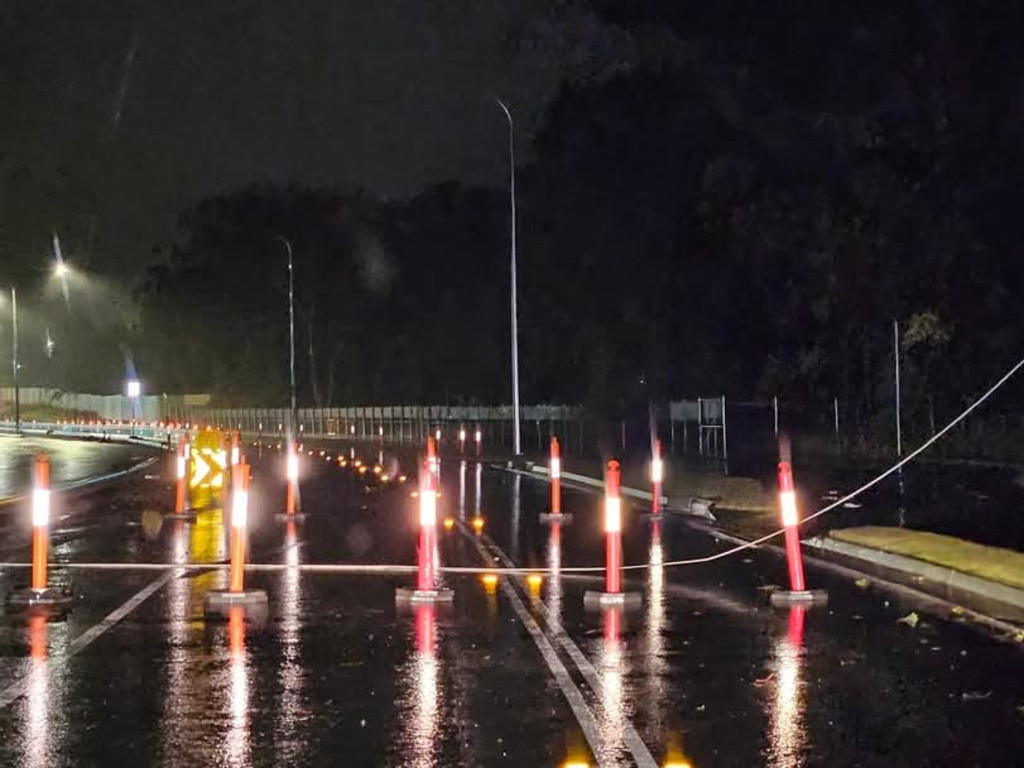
{"points": [[584, 716], [12, 692], [641, 754]]}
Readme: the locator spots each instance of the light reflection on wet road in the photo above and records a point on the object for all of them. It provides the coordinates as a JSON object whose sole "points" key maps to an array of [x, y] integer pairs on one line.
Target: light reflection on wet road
{"points": [[705, 673]]}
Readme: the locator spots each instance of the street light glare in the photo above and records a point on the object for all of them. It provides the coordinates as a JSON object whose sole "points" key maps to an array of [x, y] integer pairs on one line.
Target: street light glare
{"points": [[60, 269]]}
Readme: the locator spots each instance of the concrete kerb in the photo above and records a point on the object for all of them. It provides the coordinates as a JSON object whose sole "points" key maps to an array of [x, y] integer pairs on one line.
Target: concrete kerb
{"points": [[938, 580]]}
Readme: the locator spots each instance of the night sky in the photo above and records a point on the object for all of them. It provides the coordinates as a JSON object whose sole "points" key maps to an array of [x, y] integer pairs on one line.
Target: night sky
{"points": [[118, 114]]}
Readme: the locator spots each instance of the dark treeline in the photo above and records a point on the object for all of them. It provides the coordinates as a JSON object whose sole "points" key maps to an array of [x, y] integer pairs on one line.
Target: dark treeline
{"points": [[745, 206]]}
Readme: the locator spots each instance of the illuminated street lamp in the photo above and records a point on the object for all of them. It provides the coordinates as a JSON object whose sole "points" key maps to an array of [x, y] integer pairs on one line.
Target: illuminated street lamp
{"points": [[133, 388]]}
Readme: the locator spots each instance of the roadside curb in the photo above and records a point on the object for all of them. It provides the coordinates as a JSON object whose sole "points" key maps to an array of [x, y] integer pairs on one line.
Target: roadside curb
{"points": [[989, 597]]}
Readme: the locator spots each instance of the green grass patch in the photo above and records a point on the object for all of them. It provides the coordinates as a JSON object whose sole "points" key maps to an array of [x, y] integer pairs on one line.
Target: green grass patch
{"points": [[1004, 566]]}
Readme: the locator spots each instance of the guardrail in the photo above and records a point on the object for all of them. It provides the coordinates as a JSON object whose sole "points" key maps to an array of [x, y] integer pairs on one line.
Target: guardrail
{"points": [[157, 436]]}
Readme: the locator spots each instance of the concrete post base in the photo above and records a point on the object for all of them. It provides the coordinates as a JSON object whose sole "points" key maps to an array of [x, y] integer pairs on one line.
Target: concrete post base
{"points": [[565, 518], [602, 600], [414, 596], [219, 602], [784, 598], [39, 598]]}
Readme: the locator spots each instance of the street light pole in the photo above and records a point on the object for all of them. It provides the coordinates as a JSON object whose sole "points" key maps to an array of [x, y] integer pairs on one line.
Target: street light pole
{"points": [[291, 335], [516, 432], [14, 359]]}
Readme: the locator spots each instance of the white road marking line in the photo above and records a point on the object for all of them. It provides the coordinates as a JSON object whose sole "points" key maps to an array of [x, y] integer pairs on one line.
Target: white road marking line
{"points": [[584, 716], [12, 692], [634, 743]]}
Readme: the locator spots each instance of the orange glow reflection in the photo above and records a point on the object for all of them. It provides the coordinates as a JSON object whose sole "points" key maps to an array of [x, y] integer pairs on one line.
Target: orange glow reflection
{"points": [[462, 490], [423, 723], [786, 721], [37, 705], [237, 741]]}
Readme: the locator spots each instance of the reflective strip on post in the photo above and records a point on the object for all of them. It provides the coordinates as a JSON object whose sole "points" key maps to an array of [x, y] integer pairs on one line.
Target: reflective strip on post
{"points": [[787, 501], [181, 467], [40, 507], [556, 468], [613, 514], [428, 503], [240, 508], [657, 469], [293, 466]]}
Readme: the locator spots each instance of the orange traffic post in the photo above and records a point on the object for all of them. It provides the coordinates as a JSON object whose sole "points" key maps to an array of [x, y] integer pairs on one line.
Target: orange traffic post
{"points": [[613, 596], [657, 477], [182, 506], [38, 592], [798, 592], [239, 521], [427, 589], [221, 601], [433, 464], [40, 521], [555, 515], [292, 505]]}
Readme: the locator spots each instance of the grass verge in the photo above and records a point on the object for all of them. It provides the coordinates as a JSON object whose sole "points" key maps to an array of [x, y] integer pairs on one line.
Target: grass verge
{"points": [[1004, 566]]}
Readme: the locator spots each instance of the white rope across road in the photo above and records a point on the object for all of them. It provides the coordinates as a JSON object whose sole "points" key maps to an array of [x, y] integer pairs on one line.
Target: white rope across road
{"points": [[375, 568]]}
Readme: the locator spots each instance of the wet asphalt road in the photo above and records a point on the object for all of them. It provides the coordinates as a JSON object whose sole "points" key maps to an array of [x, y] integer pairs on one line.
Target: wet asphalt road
{"points": [[705, 673], [70, 460]]}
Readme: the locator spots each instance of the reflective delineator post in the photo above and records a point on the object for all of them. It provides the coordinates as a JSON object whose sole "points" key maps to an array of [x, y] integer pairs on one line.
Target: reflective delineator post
{"points": [[613, 529], [426, 589], [181, 471], [555, 477], [182, 505], [432, 464], [462, 439], [657, 477], [222, 601], [236, 451], [798, 592], [239, 522], [613, 594], [790, 521], [478, 436], [292, 505], [428, 532], [38, 593], [40, 522]]}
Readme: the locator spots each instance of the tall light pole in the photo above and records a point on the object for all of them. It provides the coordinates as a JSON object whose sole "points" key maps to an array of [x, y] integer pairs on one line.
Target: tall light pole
{"points": [[516, 436], [14, 360], [291, 335]]}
